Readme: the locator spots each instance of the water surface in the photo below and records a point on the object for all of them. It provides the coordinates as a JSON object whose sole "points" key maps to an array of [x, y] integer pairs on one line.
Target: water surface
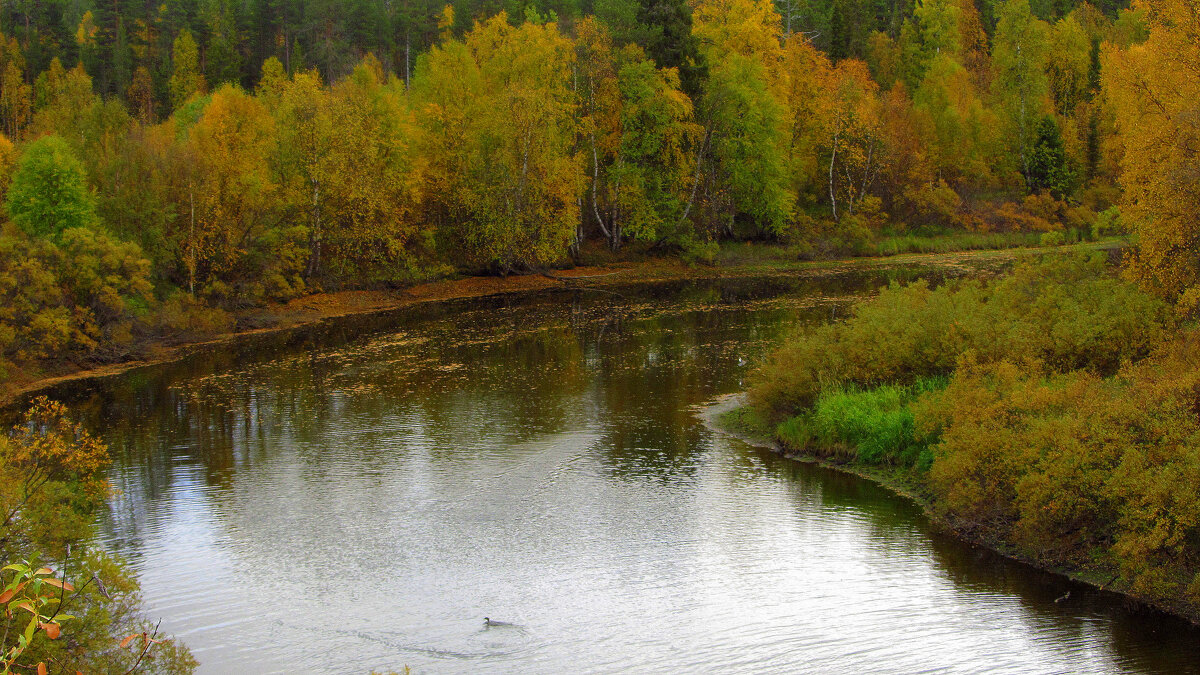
{"points": [[359, 496]]}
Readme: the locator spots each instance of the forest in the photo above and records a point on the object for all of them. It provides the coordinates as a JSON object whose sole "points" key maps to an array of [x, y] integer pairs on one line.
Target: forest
{"points": [[164, 164]]}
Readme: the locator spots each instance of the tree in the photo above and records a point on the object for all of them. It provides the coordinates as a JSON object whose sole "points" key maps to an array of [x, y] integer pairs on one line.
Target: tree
{"points": [[222, 61], [638, 129], [49, 191], [852, 134], [141, 95], [1154, 92], [186, 79], [236, 245], [503, 183], [15, 93], [307, 143], [959, 132], [373, 182], [64, 100], [1069, 65], [672, 42], [52, 482], [744, 111], [1049, 168], [1019, 55]]}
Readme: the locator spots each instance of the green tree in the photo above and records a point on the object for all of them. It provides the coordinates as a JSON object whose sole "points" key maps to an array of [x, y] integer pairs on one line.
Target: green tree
{"points": [[671, 41], [49, 192], [1049, 168], [186, 78], [1021, 84], [745, 115]]}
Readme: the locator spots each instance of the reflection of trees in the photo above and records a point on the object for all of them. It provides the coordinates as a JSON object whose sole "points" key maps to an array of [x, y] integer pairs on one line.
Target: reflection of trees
{"points": [[434, 389], [451, 377], [653, 369], [1139, 639]]}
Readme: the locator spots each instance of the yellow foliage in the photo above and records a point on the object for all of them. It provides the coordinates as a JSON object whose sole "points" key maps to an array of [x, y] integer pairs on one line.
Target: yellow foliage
{"points": [[1154, 91]]}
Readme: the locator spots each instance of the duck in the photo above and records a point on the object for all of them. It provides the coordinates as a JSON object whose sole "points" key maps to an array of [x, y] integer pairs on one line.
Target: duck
{"points": [[490, 623]]}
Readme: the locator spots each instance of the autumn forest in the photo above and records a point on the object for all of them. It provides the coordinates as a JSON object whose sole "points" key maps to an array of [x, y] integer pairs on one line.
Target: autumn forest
{"points": [[166, 163], [167, 166]]}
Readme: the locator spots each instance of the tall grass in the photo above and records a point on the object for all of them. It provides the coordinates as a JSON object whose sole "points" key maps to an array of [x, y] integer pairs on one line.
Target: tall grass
{"points": [[949, 243], [873, 426]]}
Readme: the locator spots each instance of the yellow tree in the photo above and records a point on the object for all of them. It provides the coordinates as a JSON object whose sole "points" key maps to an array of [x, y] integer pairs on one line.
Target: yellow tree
{"points": [[231, 242], [307, 143], [498, 110], [15, 94], [809, 73], [186, 78], [600, 120], [141, 95], [852, 133], [1154, 91], [64, 99], [374, 179]]}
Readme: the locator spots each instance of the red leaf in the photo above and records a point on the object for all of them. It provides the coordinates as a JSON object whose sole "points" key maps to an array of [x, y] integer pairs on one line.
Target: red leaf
{"points": [[129, 640], [53, 630], [7, 595], [42, 670]]}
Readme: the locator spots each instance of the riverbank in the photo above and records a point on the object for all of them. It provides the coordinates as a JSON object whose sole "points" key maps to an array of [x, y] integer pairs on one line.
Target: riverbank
{"points": [[747, 261], [733, 416]]}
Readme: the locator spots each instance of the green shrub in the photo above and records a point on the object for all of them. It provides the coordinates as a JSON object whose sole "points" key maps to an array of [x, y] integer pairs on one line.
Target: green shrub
{"points": [[1065, 311], [873, 426], [1053, 238]]}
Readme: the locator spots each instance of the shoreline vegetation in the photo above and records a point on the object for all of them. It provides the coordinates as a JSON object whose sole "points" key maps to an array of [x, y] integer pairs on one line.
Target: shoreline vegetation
{"points": [[197, 171], [742, 260], [734, 416], [1050, 414]]}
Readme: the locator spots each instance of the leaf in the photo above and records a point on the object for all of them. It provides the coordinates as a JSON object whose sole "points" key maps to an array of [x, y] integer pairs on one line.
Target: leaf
{"points": [[129, 640], [7, 595], [42, 670], [27, 607], [45, 571], [53, 630], [59, 584]]}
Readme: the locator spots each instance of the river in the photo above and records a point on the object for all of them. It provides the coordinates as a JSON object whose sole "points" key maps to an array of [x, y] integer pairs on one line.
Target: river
{"points": [[360, 495]]}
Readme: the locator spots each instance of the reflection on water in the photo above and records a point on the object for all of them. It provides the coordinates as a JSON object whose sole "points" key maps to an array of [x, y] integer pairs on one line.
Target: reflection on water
{"points": [[361, 495]]}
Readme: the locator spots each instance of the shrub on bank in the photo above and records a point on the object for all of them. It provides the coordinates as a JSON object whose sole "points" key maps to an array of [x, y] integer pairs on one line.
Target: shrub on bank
{"points": [[1076, 469], [1067, 428], [1065, 311]]}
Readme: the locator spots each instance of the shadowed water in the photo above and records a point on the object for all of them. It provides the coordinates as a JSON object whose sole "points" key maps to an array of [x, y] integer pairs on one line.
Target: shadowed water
{"points": [[359, 496]]}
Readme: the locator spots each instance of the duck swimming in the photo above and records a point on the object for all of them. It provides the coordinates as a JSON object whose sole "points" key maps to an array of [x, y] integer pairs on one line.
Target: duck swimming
{"points": [[489, 623]]}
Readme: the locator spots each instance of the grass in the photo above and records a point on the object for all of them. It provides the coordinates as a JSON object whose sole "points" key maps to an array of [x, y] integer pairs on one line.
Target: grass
{"points": [[871, 426], [924, 241], [957, 241]]}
